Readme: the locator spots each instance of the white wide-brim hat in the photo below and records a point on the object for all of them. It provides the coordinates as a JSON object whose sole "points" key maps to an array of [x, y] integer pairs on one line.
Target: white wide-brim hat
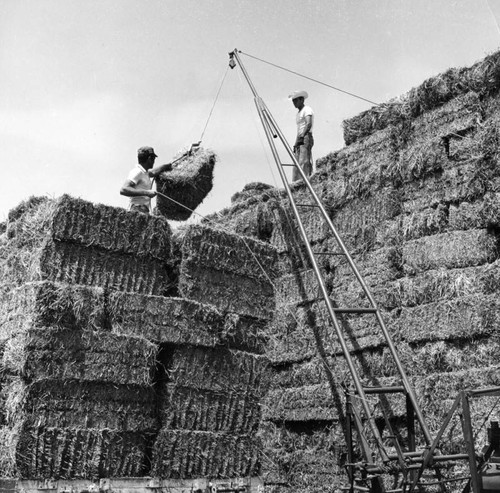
{"points": [[298, 94]]}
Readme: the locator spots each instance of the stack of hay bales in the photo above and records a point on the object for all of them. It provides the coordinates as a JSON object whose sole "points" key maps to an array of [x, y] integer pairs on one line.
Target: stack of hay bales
{"points": [[100, 376], [210, 398], [77, 393], [415, 196]]}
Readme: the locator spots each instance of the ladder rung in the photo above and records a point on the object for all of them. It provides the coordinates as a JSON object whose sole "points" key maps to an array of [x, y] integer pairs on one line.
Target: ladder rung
{"points": [[355, 487], [384, 390], [286, 164], [446, 458], [355, 310], [410, 455], [442, 481], [307, 205]]}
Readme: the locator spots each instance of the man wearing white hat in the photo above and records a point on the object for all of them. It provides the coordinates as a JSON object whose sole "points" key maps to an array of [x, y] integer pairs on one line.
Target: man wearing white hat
{"points": [[304, 140]]}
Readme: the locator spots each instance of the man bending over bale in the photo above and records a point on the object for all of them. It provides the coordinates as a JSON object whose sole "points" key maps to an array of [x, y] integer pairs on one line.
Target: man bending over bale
{"points": [[138, 185], [304, 140]]}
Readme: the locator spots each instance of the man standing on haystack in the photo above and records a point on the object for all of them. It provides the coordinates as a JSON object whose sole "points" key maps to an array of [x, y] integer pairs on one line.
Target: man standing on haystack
{"points": [[304, 140], [138, 185]]}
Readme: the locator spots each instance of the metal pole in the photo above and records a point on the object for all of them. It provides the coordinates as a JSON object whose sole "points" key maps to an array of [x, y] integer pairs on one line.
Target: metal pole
{"points": [[475, 479], [266, 119]]}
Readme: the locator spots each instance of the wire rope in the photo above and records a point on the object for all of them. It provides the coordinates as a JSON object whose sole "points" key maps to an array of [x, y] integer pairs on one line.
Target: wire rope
{"points": [[215, 102], [493, 15], [259, 135], [310, 78]]}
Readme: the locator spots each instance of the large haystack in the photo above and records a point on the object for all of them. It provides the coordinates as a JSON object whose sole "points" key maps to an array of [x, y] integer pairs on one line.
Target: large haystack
{"points": [[414, 196]]}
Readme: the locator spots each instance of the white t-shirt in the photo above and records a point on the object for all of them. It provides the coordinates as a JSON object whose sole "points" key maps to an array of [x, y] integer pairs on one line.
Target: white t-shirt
{"points": [[301, 118], [142, 181]]}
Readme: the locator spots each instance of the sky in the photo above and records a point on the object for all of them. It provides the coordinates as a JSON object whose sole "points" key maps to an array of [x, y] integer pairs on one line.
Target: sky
{"points": [[85, 83]]}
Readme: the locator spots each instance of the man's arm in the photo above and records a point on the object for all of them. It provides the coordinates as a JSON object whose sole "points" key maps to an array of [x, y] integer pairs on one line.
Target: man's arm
{"points": [[154, 172], [129, 190]]}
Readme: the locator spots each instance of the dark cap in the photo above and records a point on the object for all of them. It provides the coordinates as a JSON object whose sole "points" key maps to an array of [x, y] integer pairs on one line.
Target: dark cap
{"points": [[146, 151]]}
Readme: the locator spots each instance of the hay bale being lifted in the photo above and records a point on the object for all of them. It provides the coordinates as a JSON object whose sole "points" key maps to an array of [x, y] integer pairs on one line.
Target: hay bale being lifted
{"points": [[187, 184]]}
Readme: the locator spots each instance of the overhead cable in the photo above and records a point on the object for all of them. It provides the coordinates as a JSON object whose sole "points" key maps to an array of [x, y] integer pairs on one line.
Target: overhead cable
{"points": [[310, 78], [215, 101]]}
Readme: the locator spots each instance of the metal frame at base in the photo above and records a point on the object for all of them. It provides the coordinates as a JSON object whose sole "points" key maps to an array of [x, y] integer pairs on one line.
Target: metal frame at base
{"points": [[133, 485]]}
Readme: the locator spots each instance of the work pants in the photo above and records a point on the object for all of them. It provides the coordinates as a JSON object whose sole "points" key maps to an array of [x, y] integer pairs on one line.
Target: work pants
{"points": [[140, 208], [303, 155]]}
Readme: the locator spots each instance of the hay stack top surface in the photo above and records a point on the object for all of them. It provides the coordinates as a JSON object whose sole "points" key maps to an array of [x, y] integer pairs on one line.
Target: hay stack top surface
{"points": [[187, 185], [483, 78], [73, 220]]}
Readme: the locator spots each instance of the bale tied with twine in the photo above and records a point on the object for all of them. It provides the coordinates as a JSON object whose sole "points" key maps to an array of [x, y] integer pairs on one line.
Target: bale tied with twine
{"points": [[75, 242], [186, 186]]}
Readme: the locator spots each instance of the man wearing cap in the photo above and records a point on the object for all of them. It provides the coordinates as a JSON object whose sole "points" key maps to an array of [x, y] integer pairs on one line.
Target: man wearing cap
{"points": [[138, 185], [304, 140]]}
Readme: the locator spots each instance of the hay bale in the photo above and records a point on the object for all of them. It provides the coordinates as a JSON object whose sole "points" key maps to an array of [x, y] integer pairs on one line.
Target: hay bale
{"points": [[46, 243], [244, 333], [182, 454], [76, 404], [188, 183], [423, 158], [218, 370], [37, 452], [376, 118], [307, 403], [298, 287], [427, 222], [74, 264], [251, 190], [358, 214], [74, 220], [308, 372], [291, 335], [465, 182], [449, 356], [66, 353], [449, 250], [443, 284], [251, 216], [111, 228], [461, 318], [165, 320], [482, 213], [185, 408], [228, 271], [48, 304], [222, 249], [371, 363], [456, 117], [376, 266]]}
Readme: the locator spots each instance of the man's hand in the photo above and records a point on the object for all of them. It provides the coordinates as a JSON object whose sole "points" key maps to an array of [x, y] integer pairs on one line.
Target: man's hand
{"points": [[150, 193]]}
